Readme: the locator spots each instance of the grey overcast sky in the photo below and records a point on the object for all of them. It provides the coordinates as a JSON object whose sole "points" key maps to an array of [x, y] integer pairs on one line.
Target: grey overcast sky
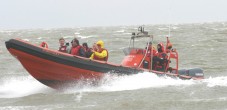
{"points": [[23, 14]]}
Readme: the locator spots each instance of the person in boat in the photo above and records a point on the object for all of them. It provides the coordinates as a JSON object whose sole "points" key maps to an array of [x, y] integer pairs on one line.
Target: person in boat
{"points": [[168, 46], [94, 47], [150, 48], [160, 60], [64, 47], [99, 52], [87, 50], [76, 49], [151, 52]]}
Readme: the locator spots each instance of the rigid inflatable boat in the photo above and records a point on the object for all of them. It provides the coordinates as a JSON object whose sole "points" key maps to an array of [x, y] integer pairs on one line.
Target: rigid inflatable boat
{"points": [[58, 70]]}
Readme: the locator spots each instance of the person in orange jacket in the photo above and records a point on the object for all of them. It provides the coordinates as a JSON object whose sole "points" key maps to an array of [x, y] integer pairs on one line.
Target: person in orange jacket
{"points": [[159, 61], [100, 53], [168, 46]]}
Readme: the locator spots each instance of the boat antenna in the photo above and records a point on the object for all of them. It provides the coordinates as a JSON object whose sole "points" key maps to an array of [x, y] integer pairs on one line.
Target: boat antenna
{"points": [[169, 17], [169, 29]]}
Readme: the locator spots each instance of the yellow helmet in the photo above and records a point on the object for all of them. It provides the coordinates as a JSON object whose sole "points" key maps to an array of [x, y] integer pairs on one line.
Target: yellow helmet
{"points": [[101, 43]]}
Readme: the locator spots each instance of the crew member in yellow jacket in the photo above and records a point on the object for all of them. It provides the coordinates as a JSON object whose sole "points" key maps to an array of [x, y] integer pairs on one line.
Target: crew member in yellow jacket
{"points": [[99, 52]]}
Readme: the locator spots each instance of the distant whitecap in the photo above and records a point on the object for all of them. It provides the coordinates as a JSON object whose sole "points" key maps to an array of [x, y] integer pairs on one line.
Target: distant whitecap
{"points": [[127, 33], [77, 33], [26, 40], [6, 31], [39, 38], [163, 28], [174, 27], [120, 31], [65, 37], [84, 37]]}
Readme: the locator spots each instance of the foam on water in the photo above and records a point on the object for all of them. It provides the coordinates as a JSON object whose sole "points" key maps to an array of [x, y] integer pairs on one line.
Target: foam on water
{"points": [[216, 81], [84, 37], [120, 31], [133, 82], [77, 33], [27, 85], [39, 38], [144, 80], [126, 33], [26, 40], [66, 37], [162, 29], [20, 86]]}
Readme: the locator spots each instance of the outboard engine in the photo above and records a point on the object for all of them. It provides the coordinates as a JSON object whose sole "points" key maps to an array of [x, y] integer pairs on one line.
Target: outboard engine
{"points": [[195, 72]]}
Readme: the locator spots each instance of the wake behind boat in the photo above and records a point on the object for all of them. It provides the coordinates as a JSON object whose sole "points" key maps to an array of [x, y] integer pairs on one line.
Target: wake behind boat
{"points": [[58, 70]]}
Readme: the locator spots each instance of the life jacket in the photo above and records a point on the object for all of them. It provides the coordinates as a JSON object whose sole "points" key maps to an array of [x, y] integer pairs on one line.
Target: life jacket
{"points": [[63, 49], [44, 44], [161, 54], [75, 50], [101, 59]]}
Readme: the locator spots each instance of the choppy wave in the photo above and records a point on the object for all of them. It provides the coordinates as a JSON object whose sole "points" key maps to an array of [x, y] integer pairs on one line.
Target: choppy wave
{"points": [[66, 37], [163, 29], [216, 81], [77, 33], [133, 82], [39, 38], [120, 31], [24, 86], [144, 80], [84, 37], [20, 86], [26, 40]]}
